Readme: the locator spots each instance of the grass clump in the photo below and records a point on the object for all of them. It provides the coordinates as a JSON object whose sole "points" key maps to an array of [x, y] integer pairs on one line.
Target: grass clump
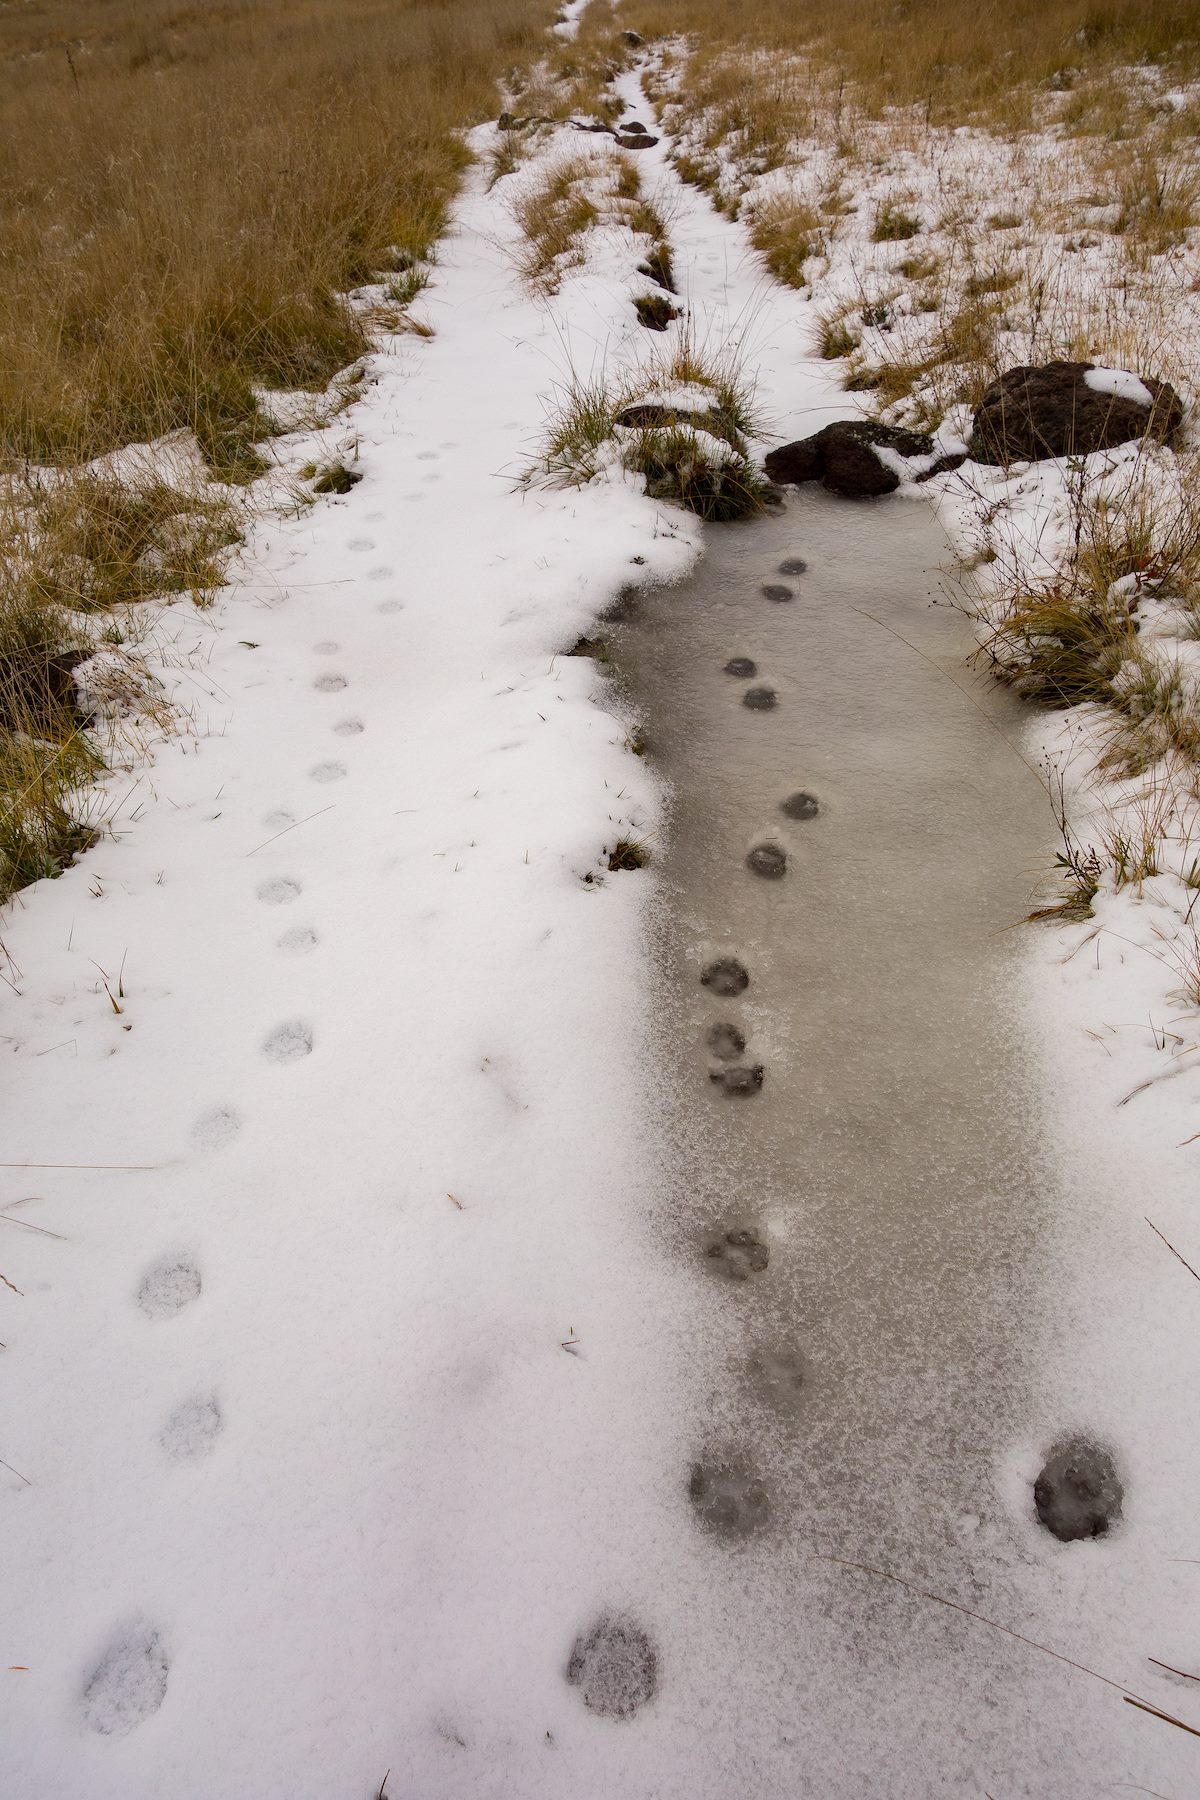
{"points": [[626, 854], [893, 224], [787, 232], [691, 451], [335, 478]]}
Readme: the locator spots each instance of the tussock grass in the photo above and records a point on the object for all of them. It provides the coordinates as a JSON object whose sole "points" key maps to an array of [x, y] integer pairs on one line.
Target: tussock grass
{"points": [[696, 455]]}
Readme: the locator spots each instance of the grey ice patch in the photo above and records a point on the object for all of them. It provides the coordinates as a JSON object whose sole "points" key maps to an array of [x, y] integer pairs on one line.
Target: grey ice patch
{"points": [[767, 860], [615, 1667], [801, 805], [727, 1498], [168, 1287], [288, 1042], [296, 941], [760, 699], [738, 1255], [129, 1683], [330, 684], [192, 1429], [328, 771], [349, 728], [1078, 1493], [727, 976], [215, 1128], [280, 890]]}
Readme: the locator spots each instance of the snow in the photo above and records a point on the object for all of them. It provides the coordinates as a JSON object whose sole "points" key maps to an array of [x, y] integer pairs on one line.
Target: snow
{"points": [[350, 1374], [1121, 383]]}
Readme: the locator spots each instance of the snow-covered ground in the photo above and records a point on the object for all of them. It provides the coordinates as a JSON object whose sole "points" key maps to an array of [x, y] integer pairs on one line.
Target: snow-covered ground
{"points": [[350, 1380]]}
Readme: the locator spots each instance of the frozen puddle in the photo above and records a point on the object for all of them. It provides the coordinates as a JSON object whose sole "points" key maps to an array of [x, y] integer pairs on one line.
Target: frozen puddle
{"points": [[868, 1201]]}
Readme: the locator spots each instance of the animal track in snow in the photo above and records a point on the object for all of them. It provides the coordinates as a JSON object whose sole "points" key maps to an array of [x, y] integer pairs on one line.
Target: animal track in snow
{"points": [[296, 941], [349, 728], [615, 1667], [129, 1683], [192, 1429], [381, 574], [326, 647], [278, 818], [328, 771], [391, 606], [173, 1283], [427, 455], [330, 684], [728, 1498], [360, 543], [280, 890], [215, 1128], [288, 1042]]}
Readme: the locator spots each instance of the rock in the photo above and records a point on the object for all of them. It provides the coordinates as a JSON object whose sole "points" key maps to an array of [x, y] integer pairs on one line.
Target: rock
{"points": [[1055, 410], [634, 128], [743, 1078], [767, 860], [739, 1254], [637, 140], [842, 456], [742, 667], [650, 415], [727, 976], [1078, 1493], [615, 1667]]}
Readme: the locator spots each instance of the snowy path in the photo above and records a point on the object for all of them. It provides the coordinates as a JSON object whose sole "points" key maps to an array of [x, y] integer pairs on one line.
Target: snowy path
{"points": [[309, 1486]]}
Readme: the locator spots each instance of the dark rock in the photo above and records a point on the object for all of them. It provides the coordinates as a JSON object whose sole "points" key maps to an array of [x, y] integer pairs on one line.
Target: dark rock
{"points": [[1030, 413], [767, 860], [637, 140], [842, 456], [727, 976], [635, 128], [739, 1254], [775, 590], [655, 311], [800, 806], [742, 667], [759, 699], [744, 1078], [1078, 1493], [725, 1041], [615, 1667], [649, 415], [728, 1499]]}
